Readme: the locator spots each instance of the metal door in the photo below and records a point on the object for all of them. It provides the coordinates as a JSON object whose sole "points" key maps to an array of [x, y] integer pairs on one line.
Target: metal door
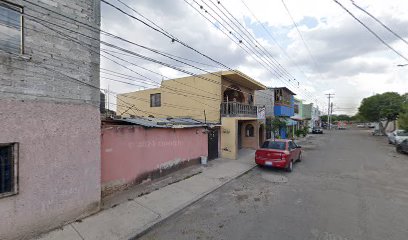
{"points": [[212, 144]]}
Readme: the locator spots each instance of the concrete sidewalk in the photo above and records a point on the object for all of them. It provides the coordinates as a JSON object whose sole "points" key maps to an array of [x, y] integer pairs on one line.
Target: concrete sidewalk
{"points": [[132, 218]]}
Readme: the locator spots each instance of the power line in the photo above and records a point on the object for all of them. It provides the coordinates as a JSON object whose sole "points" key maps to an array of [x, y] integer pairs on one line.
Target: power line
{"points": [[118, 37], [275, 41], [267, 53], [301, 36], [371, 31], [381, 23], [161, 30], [227, 34], [144, 57]]}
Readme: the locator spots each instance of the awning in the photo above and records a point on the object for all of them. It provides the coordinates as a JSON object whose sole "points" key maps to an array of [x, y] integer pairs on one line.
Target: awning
{"points": [[290, 122], [297, 118]]}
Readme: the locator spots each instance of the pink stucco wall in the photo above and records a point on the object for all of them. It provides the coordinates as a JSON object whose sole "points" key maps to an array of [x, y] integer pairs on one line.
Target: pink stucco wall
{"points": [[59, 165], [128, 152]]}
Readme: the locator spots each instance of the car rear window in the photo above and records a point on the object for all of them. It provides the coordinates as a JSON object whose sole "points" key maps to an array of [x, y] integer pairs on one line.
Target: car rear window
{"points": [[274, 145], [402, 133]]}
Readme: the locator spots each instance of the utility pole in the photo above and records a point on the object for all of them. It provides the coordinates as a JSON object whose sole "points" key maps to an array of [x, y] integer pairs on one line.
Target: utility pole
{"points": [[329, 109]]}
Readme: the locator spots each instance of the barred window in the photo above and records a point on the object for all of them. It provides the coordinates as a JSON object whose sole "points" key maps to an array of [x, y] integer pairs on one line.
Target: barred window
{"points": [[8, 169], [155, 100], [11, 25]]}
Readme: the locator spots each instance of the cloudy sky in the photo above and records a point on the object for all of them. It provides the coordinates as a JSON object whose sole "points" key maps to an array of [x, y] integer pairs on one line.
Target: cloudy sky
{"points": [[338, 55]]}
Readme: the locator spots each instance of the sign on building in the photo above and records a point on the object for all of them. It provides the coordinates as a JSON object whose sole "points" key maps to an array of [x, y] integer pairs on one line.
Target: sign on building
{"points": [[261, 113]]}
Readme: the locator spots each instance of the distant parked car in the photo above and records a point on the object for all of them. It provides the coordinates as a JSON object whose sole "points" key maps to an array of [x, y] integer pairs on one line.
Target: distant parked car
{"points": [[361, 125], [371, 125], [402, 147], [279, 153], [317, 130], [397, 136]]}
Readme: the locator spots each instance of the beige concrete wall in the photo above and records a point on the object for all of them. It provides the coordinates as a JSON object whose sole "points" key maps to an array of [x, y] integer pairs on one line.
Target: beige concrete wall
{"points": [[229, 135], [229, 141], [182, 97]]}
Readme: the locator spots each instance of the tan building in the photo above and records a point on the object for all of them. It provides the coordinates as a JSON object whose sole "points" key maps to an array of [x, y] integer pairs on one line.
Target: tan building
{"points": [[221, 97]]}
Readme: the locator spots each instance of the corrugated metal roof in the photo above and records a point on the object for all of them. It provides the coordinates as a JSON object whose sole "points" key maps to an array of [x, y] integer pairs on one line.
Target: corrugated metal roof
{"points": [[166, 122]]}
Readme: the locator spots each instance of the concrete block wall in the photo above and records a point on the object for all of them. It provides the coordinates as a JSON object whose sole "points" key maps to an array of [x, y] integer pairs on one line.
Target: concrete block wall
{"points": [[54, 118], [265, 98]]}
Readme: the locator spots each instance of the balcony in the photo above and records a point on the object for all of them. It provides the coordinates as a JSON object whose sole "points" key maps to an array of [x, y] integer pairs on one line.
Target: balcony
{"points": [[236, 109]]}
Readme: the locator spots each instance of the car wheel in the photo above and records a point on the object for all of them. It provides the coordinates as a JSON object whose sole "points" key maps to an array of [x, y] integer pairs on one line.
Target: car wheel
{"points": [[399, 149], [289, 168], [300, 157], [389, 142]]}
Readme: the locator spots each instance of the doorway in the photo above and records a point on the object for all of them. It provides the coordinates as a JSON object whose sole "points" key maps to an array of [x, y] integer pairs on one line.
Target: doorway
{"points": [[212, 144], [261, 135]]}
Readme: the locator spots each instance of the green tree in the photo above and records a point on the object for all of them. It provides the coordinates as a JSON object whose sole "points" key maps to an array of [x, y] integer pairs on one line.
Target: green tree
{"points": [[382, 107], [357, 118], [277, 124], [403, 117], [343, 117], [333, 118]]}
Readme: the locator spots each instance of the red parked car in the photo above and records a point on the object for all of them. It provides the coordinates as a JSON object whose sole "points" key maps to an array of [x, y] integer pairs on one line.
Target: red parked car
{"points": [[280, 153]]}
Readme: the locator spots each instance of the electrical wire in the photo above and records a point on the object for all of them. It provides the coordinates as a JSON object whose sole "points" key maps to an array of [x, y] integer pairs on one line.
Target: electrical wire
{"points": [[371, 31], [381, 23]]}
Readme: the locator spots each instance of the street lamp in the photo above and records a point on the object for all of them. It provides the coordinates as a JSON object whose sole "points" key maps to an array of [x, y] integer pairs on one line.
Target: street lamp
{"points": [[402, 65]]}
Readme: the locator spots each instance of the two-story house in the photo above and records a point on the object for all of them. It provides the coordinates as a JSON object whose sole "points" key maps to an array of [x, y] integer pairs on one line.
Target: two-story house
{"points": [[298, 114], [307, 115], [225, 97], [284, 109]]}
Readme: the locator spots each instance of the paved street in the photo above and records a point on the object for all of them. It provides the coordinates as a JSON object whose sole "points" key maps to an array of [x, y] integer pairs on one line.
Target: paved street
{"points": [[350, 185]]}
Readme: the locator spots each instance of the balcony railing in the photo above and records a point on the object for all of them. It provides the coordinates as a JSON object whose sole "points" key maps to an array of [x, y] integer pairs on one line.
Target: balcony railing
{"points": [[235, 109]]}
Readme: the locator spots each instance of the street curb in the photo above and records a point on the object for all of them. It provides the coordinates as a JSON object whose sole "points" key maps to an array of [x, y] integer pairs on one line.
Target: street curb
{"points": [[162, 220]]}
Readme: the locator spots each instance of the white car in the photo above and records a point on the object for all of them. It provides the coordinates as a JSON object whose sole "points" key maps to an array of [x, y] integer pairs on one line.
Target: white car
{"points": [[397, 136], [361, 125]]}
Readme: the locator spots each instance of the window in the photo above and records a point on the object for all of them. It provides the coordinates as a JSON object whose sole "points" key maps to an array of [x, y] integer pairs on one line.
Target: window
{"points": [[249, 130], [274, 145], [291, 146], [155, 100], [8, 169], [11, 22], [296, 108]]}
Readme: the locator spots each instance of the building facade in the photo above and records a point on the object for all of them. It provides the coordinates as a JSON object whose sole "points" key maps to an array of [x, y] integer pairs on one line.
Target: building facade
{"points": [[223, 97], [284, 109], [265, 98], [49, 116]]}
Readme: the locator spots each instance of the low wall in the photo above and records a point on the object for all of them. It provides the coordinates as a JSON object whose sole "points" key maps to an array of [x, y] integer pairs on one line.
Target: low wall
{"points": [[132, 154]]}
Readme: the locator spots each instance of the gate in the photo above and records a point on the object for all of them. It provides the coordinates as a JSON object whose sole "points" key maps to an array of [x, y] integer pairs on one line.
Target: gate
{"points": [[212, 144]]}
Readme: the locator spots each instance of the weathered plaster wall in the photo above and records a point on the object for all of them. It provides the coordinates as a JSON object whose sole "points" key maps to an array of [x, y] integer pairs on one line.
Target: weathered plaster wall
{"points": [[53, 116], [131, 152], [265, 98], [229, 139], [59, 165]]}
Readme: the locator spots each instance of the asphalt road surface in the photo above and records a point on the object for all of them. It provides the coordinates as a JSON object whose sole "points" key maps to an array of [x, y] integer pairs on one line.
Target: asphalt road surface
{"points": [[350, 185]]}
